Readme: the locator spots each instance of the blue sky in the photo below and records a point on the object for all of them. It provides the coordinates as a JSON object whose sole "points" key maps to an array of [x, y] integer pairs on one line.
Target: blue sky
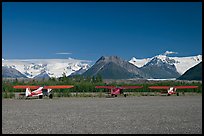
{"points": [[89, 30]]}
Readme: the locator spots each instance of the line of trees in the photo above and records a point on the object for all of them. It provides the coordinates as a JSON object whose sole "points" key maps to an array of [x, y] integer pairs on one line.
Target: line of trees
{"points": [[87, 84]]}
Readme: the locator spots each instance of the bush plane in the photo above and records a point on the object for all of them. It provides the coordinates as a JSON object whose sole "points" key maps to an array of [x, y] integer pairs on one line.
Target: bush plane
{"points": [[171, 90], [40, 90], [114, 91]]}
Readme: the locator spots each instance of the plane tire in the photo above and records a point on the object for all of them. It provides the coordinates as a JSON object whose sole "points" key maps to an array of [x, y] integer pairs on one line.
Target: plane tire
{"points": [[115, 95], [40, 96], [50, 96], [177, 94], [125, 95]]}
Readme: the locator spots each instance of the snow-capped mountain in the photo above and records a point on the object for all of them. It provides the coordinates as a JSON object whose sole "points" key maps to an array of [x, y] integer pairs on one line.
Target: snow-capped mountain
{"points": [[194, 73], [42, 75], [185, 63], [182, 64], [53, 67], [11, 73], [160, 68], [114, 67], [139, 62]]}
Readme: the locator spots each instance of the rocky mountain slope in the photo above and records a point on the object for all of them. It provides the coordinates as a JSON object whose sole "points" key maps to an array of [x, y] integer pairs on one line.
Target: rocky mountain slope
{"points": [[194, 73], [182, 64], [53, 67], [158, 69], [113, 67], [11, 73]]}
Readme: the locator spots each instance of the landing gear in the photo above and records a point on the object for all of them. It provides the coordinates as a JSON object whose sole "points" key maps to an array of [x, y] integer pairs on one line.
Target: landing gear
{"points": [[177, 94], [113, 95], [50, 96], [125, 95], [40, 96]]}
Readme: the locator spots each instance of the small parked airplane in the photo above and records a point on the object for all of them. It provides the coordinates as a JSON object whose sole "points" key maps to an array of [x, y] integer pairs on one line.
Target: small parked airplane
{"points": [[118, 90], [40, 91], [171, 90]]}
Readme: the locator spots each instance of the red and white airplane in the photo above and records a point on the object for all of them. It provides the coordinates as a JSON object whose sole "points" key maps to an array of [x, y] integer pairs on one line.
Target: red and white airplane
{"points": [[171, 90], [40, 91], [118, 90]]}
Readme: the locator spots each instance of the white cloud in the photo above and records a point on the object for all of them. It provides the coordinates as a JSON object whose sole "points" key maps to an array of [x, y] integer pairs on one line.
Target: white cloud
{"points": [[170, 52], [63, 53]]}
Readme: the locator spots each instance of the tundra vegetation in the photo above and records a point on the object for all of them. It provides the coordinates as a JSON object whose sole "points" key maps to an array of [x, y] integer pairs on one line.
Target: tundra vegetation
{"points": [[85, 86]]}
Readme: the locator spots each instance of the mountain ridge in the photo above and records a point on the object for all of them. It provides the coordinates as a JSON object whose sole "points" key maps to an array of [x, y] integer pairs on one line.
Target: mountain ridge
{"points": [[114, 67], [144, 67], [54, 67], [11, 73], [194, 73], [182, 64]]}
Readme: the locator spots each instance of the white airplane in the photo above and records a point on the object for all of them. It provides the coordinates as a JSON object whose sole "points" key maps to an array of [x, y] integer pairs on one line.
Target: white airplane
{"points": [[40, 91], [171, 90]]}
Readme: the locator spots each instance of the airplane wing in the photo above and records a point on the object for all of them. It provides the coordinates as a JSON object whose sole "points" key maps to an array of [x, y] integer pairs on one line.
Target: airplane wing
{"points": [[185, 87], [107, 87], [25, 86], [131, 87], [159, 87], [58, 87]]}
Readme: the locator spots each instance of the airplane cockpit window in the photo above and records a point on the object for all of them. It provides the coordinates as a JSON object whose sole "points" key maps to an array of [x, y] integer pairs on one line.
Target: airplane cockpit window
{"points": [[44, 91]]}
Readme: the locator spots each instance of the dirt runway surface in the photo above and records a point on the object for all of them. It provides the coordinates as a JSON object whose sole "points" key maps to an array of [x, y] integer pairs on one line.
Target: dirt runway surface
{"points": [[120, 115]]}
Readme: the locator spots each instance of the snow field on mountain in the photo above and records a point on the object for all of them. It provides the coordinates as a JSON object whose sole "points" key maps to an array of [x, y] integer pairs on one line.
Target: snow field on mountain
{"points": [[53, 67], [56, 67], [182, 64]]}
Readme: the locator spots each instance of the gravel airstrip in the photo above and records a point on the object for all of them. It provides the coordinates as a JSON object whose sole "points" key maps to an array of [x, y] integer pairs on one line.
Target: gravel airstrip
{"points": [[119, 115]]}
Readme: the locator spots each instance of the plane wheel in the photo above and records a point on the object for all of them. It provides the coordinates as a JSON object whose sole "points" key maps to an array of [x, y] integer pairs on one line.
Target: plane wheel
{"points": [[50, 96], [177, 94], [40, 96], [125, 95], [115, 95], [168, 94]]}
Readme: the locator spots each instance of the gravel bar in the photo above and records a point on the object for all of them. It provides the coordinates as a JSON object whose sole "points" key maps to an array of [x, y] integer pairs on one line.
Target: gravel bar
{"points": [[119, 115]]}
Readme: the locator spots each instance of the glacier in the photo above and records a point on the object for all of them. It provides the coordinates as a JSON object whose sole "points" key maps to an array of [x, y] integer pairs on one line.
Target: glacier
{"points": [[56, 67], [53, 67], [182, 64]]}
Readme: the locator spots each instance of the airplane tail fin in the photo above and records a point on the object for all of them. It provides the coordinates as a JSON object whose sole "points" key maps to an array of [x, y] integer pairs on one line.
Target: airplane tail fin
{"points": [[28, 92], [171, 90], [49, 90]]}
